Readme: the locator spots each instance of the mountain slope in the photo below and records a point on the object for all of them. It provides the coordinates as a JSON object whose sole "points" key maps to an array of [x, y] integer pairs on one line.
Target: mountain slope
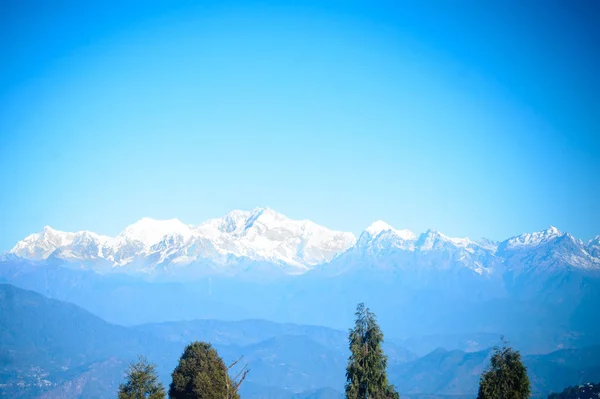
{"points": [[44, 342], [408, 304], [455, 372], [53, 350], [260, 235], [265, 243]]}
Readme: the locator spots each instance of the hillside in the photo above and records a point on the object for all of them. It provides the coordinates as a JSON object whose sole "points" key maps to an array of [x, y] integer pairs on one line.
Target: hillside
{"points": [[55, 350], [45, 342], [58, 350], [457, 373]]}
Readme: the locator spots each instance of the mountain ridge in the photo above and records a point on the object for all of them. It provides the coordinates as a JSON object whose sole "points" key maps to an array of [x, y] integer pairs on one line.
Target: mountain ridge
{"points": [[241, 239], [89, 360]]}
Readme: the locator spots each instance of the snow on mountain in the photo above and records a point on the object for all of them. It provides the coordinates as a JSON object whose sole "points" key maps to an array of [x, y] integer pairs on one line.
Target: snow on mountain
{"points": [[266, 237], [490, 245], [383, 247], [380, 237], [593, 247], [435, 240], [549, 249], [533, 239], [149, 231], [257, 235], [45, 243], [264, 234], [380, 226]]}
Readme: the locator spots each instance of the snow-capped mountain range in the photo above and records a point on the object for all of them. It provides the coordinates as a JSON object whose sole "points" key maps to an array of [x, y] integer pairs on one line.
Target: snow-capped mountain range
{"points": [[265, 236]]}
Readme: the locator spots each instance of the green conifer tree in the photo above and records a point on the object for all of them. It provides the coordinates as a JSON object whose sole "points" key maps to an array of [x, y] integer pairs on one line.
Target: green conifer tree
{"points": [[202, 374], [366, 376], [141, 382], [507, 376]]}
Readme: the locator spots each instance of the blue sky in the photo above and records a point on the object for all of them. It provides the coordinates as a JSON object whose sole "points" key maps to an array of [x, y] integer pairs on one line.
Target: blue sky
{"points": [[478, 120]]}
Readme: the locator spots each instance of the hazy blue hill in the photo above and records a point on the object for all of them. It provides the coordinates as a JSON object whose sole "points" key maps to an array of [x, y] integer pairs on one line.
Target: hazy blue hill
{"points": [[456, 372], [539, 311], [467, 342], [583, 391], [59, 350], [295, 363], [244, 332], [557, 370], [45, 343], [251, 391], [248, 332], [122, 299], [441, 372], [97, 380], [35, 328], [424, 297]]}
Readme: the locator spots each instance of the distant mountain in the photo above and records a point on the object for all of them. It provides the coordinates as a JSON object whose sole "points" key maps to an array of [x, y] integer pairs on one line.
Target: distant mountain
{"points": [[593, 247], [243, 333], [266, 243], [299, 357], [295, 363], [54, 350], [228, 245], [96, 380], [45, 342], [251, 391], [583, 391], [537, 288], [455, 372], [539, 312]]}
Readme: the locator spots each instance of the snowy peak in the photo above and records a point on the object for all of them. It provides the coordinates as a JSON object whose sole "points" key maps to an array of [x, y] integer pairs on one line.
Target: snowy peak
{"points": [[268, 235], [49, 241], [549, 249], [262, 236], [379, 227], [433, 239], [384, 248], [149, 231], [234, 222], [593, 247], [258, 235], [380, 236], [532, 239]]}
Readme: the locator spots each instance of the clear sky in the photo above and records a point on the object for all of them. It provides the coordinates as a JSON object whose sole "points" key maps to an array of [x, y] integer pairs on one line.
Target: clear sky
{"points": [[470, 118]]}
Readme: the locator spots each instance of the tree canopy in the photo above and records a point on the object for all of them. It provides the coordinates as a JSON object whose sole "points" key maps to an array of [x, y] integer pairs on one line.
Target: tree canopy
{"points": [[141, 382], [202, 374], [366, 376], [506, 377]]}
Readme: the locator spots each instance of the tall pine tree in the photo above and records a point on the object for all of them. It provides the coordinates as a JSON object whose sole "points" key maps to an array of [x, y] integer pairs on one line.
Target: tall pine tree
{"points": [[366, 376]]}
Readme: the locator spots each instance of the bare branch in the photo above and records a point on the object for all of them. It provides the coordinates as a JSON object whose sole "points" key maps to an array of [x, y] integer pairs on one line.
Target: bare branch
{"points": [[240, 378], [235, 362]]}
